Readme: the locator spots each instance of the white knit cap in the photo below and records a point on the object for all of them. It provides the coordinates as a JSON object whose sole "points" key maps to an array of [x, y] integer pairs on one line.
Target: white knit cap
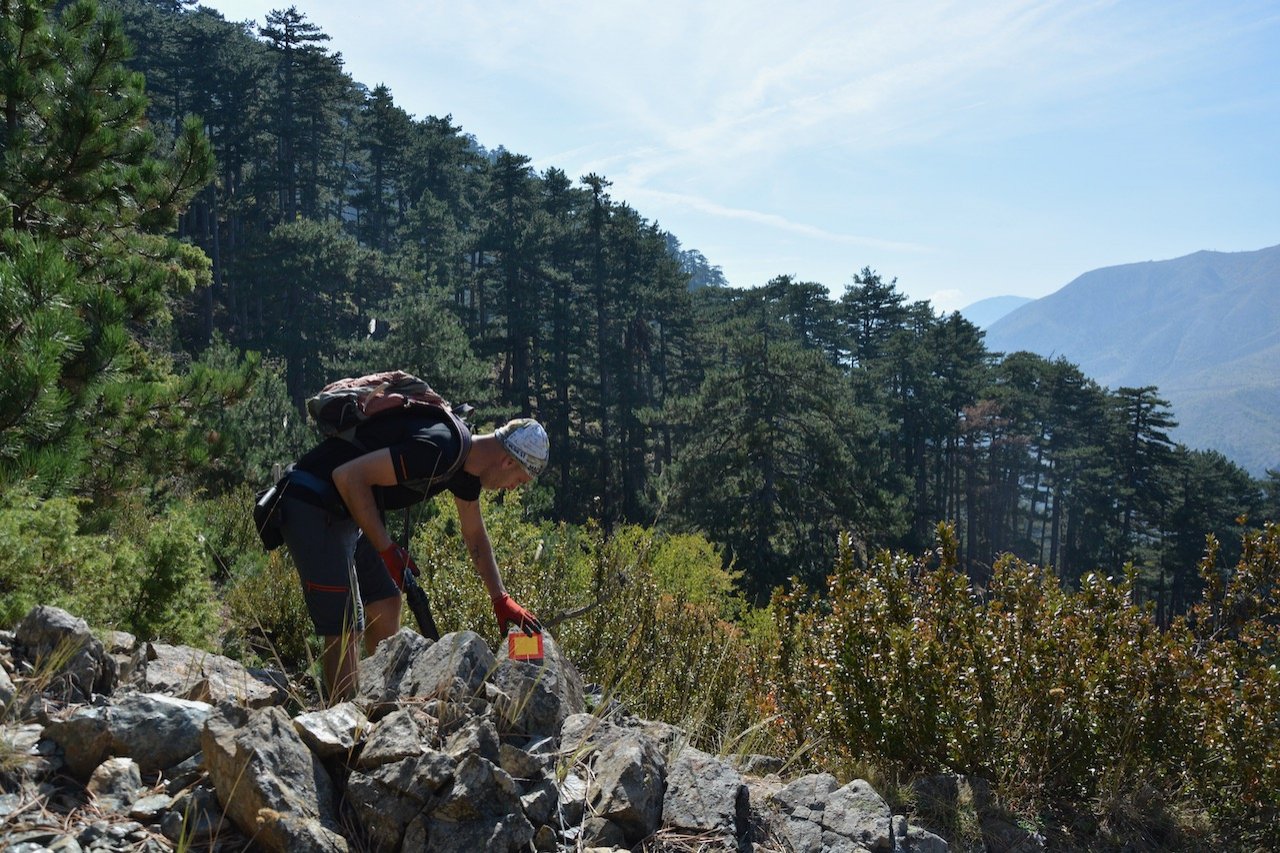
{"points": [[526, 441]]}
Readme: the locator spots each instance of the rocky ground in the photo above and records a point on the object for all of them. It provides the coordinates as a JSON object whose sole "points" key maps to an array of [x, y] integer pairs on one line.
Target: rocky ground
{"points": [[127, 746]]}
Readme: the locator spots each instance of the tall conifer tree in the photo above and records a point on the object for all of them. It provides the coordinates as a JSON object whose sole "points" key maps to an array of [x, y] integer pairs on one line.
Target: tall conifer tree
{"points": [[86, 270]]}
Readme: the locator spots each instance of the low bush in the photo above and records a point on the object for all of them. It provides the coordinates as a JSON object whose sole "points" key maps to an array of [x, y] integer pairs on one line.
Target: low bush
{"points": [[149, 575], [655, 615], [1090, 722], [1086, 717]]}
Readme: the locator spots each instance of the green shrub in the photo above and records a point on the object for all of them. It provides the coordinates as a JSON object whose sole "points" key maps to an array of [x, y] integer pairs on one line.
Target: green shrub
{"points": [[1073, 704], [170, 591], [149, 575], [267, 619], [656, 632], [40, 553], [265, 616]]}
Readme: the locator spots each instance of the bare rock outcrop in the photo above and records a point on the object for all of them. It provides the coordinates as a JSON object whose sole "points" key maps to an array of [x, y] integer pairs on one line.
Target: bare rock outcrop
{"points": [[447, 748]]}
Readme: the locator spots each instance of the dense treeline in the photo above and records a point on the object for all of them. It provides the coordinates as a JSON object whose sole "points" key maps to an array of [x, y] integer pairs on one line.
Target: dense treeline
{"points": [[254, 201]]}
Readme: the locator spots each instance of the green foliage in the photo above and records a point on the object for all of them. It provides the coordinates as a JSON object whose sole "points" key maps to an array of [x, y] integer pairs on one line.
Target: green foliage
{"points": [[657, 635], [426, 339], [260, 431], [312, 286], [168, 591], [149, 576], [40, 553], [87, 271], [265, 619], [267, 616], [772, 466], [1071, 702]]}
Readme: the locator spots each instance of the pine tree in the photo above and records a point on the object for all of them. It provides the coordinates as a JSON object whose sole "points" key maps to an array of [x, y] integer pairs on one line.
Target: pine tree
{"points": [[300, 61], [774, 466], [86, 271]]}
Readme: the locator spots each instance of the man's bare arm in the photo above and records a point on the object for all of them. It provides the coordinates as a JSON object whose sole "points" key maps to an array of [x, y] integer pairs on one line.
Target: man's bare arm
{"points": [[355, 481], [478, 546]]}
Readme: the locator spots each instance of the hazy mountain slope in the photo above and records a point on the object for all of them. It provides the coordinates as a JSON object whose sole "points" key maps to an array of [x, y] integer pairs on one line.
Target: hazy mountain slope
{"points": [[984, 312], [1205, 328]]}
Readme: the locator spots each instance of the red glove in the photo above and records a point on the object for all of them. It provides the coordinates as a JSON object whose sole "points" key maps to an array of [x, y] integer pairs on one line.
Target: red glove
{"points": [[397, 559], [508, 612]]}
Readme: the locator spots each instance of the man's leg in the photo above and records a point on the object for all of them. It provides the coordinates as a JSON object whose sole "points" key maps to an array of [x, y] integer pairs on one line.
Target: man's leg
{"points": [[321, 546], [340, 658], [382, 620], [380, 594]]}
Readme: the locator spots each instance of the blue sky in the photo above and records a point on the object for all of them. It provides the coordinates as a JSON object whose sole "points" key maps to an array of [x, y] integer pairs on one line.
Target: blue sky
{"points": [[969, 149]]}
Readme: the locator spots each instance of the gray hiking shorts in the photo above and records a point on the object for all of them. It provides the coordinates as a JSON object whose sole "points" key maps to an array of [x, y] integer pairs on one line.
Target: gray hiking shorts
{"points": [[334, 559]]}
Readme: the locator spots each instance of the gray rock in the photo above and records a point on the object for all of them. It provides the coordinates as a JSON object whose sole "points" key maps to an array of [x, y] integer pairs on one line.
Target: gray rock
{"points": [[194, 818], [381, 673], [539, 802], [190, 673], [856, 811], [480, 789], [115, 783], [7, 692], [523, 766], [449, 716], [269, 783], [184, 774], [628, 786], [603, 834], [10, 803], [399, 735], [155, 730], [818, 816], [914, 839], [477, 737], [757, 765], [453, 668], [120, 642], [44, 840], [76, 662], [573, 798], [85, 739], [332, 732], [583, 734], [537, 696], [545, 840], [481, 813], [149, 808], [32, 757], [704, 794], [668, 738], [388, 797]]}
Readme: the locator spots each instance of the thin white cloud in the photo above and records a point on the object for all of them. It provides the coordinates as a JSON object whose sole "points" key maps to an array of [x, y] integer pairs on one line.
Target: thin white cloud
{"points": [[947, 300], [775, 221]]}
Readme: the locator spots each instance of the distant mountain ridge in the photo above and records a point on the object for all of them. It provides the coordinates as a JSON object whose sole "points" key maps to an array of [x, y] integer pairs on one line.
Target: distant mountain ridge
{"points": [[1204, 328], [984, 312]]}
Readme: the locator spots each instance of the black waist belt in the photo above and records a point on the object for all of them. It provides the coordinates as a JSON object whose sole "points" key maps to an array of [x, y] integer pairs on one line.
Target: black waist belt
{"points": [[317, 491]]}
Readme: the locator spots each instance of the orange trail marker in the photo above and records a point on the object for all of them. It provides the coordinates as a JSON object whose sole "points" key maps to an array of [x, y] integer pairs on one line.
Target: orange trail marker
{"points": [[521, 646]]}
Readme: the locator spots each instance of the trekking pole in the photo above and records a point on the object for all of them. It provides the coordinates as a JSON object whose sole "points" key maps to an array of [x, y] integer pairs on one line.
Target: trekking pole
{"points": [[416, 597]]}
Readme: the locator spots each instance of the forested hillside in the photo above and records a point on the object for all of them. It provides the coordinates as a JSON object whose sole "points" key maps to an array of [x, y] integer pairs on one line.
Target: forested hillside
{"points": [[1201, 327], [175, 286], [831, 527]]}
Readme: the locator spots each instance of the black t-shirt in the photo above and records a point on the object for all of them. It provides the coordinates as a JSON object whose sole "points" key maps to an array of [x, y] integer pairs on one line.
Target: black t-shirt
{"points": [[421, 445]]}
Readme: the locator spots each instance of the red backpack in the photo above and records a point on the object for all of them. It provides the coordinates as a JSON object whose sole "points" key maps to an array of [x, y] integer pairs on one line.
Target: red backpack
{"points": [[340, 407]]}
